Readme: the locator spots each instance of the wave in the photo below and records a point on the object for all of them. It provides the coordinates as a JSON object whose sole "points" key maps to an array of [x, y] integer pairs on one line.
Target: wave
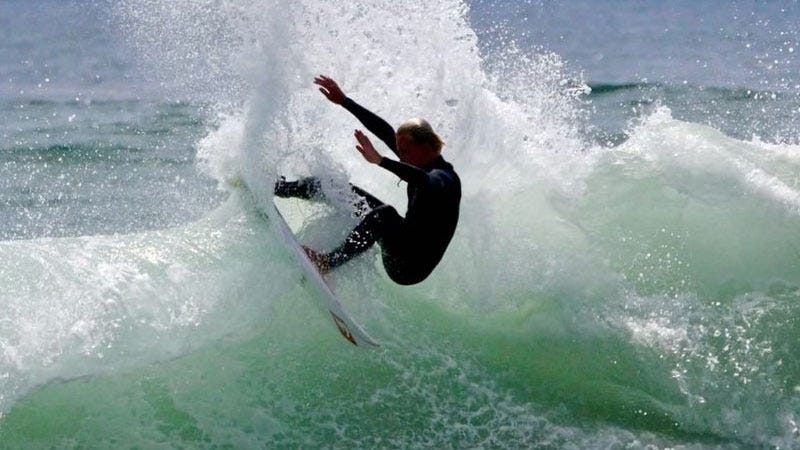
{"points": [[608, 88], [724, 93], [671, 275], [743, 113], [87, 153]]}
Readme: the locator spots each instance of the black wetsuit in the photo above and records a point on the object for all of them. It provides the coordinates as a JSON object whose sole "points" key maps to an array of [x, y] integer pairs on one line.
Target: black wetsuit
{"points": [[411, 246]]}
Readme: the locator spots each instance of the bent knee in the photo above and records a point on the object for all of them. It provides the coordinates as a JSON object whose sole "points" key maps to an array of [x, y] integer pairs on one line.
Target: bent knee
{"points": [[405, 273]]}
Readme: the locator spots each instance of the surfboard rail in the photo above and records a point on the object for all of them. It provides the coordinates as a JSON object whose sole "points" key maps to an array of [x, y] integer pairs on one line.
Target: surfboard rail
{"points": [[347, 326]]}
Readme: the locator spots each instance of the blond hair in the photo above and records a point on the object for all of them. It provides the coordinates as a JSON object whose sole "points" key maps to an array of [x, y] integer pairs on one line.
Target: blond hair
{"points": [[422, 133]]}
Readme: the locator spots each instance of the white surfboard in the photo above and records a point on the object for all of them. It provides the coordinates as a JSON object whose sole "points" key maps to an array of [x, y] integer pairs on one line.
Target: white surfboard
{"points": [[347, 326]]}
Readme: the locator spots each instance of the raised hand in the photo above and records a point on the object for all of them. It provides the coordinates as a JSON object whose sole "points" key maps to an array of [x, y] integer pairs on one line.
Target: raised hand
{"points": [[366, 148], [330, 89]]}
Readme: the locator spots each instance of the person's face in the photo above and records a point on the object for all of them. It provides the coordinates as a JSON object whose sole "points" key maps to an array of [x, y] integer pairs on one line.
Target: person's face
{"points": [[411, 152]]}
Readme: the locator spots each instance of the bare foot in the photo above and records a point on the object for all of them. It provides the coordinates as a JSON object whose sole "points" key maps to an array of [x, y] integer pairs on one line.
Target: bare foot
{"points": [[318, 259]]}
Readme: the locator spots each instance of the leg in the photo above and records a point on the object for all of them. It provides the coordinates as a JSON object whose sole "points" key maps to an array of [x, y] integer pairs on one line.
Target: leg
{"points": [[370, 199], [382, 221], [305, 188], [378, 224], [385, 226], [310, 188]]}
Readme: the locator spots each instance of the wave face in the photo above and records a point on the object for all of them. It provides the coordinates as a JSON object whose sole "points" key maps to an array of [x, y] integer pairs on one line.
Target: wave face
{"points": [[636, 296]]}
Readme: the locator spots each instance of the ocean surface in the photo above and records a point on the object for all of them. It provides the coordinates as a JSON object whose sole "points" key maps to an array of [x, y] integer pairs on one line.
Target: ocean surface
{"points": [[625, 275]]}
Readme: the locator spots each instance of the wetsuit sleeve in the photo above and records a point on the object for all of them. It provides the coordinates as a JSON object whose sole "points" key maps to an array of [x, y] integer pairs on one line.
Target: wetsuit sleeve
{"points": [[373, 122], [406, 172]]}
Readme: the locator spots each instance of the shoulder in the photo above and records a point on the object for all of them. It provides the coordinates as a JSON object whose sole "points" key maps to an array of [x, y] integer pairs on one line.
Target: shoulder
{"points": [[445, 169], [444, 179], [444, 173]]}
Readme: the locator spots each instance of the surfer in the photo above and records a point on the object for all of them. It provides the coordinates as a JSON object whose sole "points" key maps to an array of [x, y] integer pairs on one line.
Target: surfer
{"points": [[413, 245]]}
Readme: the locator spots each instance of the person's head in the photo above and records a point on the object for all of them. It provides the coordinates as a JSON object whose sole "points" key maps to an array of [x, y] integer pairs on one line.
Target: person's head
{"points": [[417, 143]]}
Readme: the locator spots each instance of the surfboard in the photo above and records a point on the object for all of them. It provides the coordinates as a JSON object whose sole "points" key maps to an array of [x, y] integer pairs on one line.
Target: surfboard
{"points": [[351, 330]]}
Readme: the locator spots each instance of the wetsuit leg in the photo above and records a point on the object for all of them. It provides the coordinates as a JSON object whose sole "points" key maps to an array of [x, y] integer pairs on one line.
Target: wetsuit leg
{"points": [[370, 199], [378, 225], [305, 188], [310, 188], [381, 224], [402, 259]]}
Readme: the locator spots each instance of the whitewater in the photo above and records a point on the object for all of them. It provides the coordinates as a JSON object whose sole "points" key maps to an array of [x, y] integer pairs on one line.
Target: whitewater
{"points": [[636, 295]]}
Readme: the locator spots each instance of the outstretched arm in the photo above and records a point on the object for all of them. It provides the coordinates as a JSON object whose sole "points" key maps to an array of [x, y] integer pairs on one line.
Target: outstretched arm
{"points": [[374, 123]]}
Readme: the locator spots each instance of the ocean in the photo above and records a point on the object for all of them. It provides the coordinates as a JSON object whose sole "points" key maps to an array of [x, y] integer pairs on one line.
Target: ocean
{"points": [[625, 273]]}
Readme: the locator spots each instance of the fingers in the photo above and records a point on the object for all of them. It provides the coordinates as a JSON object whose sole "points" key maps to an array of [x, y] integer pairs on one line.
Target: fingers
{"points": [[330, 89], [363, 141], [362, 138], [362, 151], [324, 81], [366, 148], [365, 153]]}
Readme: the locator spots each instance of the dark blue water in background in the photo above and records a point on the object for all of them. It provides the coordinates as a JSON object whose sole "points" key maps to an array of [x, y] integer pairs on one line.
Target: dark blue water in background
{"points": [[730, 64], [88, 145]]}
